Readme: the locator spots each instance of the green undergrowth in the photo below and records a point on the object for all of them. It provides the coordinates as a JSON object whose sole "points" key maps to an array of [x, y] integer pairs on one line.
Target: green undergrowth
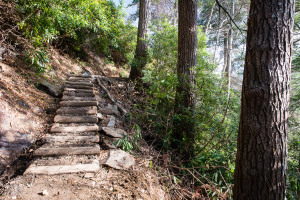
{"points": [[74, 25]]}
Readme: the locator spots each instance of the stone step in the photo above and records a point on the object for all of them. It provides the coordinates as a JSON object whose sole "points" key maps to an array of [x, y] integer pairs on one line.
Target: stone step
{"points": [[78, 83], [71, 139], [78, 94], [82, 111], [78, 86], [80, 76], [75, 119], [57, 128], [81, 80], [67, 150], [78, 103], [73, 98], [63, 169], [79, 90]]}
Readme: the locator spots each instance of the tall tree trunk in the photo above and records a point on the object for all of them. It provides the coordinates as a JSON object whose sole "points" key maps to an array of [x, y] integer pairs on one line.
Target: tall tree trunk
{"points": [[209, 18], [225, 52], [260, 172], [187, 60], [229, 53], [217, 42], [141, 52]]}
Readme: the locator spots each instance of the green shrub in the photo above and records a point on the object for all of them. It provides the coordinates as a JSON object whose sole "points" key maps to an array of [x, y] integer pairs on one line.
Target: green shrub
{"points": [[75, 23]]}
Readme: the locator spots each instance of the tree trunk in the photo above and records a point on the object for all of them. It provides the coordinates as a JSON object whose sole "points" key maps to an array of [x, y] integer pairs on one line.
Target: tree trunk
{"points": [[225, 53], [209, 18], [140, 57], [185, 91], [229, 56], [261, 162]]}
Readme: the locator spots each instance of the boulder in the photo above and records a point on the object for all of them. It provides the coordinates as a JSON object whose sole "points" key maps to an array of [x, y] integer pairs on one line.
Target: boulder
{"points": [[49, 88], [110, 110], [114, 132], [112, 121], [119, 159]]}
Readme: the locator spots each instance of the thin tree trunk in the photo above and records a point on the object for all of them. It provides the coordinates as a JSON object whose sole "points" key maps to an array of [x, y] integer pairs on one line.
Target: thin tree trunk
{"points": [[209, 18], [217, 42], [141, 52], [229, 49], [260, 172], [183, 132], [225, 53]]}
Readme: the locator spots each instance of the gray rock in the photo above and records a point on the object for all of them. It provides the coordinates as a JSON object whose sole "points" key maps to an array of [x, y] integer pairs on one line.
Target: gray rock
{"points": [[119, 159], [109, 142], [49, 88], [100, 116], [112, 121], [110, 110], [114, 132]]}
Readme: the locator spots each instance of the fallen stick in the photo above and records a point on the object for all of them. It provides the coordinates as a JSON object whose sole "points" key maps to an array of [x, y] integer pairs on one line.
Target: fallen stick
{"points": [[123, 111]]}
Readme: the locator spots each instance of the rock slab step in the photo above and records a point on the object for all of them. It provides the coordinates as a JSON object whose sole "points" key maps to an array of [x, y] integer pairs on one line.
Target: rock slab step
{"points": [[59, 151], [67, 129], [63, 169], [76, 111], [71, 139], [78, 103], [75, 119]]}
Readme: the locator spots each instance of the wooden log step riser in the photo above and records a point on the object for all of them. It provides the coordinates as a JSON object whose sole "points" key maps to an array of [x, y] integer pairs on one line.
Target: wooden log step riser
{"points": [[78, 94], [79, 86], [69, 129], [86, 80], [72, 139], [63, 169], [69, 111], [72, 98], [75, 119], [80, 76], [78, 103], [79, 90], [60, 151], [78, 83]]}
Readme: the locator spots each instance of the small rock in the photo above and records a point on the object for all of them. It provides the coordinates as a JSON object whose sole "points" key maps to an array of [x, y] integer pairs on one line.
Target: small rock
{"points": [[45, 193], [99, 99], [114, 132], [89, 175], [100, 116], [119, 159], [110, 110], [112, 121], [37, 109]]}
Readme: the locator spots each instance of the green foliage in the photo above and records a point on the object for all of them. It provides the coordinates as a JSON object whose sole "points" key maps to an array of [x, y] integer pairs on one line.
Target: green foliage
{"points": [[74, 23], [217, 117], [127, 143], [38, 59], [293, 173]]}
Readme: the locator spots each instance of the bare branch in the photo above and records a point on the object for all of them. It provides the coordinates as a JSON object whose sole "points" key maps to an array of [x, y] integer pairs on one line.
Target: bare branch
{"points": [[221, 6]]}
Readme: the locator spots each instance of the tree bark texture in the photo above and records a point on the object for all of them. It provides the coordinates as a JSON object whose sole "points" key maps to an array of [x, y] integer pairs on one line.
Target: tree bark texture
{"points": [[141, 51], [187, 60], [260, 172]]}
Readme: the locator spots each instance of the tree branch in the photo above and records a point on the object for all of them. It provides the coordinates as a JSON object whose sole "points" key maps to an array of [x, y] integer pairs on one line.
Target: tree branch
{"points": [[220, 5]]}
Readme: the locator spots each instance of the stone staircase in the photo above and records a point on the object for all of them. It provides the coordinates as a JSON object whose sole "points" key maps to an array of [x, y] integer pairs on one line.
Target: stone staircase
{"points": [[73, 143]]}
